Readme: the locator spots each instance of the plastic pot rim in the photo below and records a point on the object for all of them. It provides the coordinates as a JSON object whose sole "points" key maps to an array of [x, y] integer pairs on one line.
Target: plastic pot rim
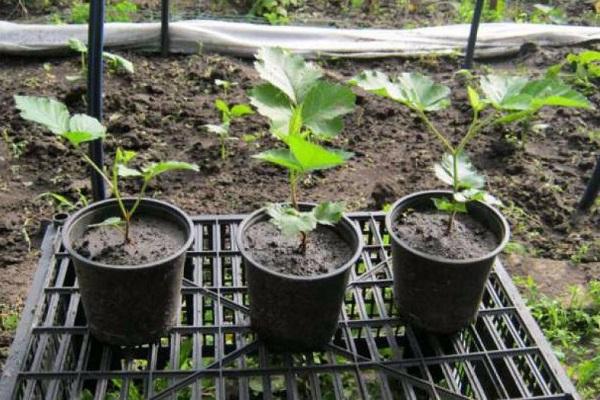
{"points": [[439, 259], [68, 226], [251, 219]]}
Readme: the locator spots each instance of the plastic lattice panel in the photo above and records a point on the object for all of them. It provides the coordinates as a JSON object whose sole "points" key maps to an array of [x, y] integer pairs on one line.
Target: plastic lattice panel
{"points": [[213, 354]]}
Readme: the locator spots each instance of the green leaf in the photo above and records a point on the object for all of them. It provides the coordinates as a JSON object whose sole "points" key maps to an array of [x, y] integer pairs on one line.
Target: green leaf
{"points": [[420, 92], [476, 195], [287, 72], [222, 106], [240, 110], [62, 201], [414, 90], [377, 83], [468, 177], [221, 130], [50, 113], [290, 221], [498, 88], [329, 213], [76, 138], [273, 104], [156, 169], [324, 106], [124, 156], [85, 123], [474, 99], [553, 92], [127, 172], [119, 62], [311, 156], [77, 45], [112, 221], [449, 206], [281, 157]]}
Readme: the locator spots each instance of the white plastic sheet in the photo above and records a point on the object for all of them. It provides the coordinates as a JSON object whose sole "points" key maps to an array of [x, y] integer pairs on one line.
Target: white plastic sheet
{"points": [[243, 39]]}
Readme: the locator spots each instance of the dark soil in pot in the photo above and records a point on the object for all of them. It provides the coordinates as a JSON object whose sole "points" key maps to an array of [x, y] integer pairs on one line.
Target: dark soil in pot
{"points": [[150, 239], [326, 251], [296, 299], [135, 301], [428, 232], [439, 279]]}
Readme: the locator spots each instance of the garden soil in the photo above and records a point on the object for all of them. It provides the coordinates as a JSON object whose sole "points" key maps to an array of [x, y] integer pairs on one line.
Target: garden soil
{"points": [[326, 250], [151, 239], [428, 232], [161, 110]]}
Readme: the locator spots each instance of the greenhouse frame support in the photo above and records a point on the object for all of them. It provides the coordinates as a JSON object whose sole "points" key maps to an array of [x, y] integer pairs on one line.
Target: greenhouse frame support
{"points": [[591, 191], [94, 91], [470, 53], [164, 28]]}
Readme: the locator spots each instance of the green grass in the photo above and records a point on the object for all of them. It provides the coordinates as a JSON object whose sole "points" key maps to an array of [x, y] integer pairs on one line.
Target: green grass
{"points": [[573, 328]]}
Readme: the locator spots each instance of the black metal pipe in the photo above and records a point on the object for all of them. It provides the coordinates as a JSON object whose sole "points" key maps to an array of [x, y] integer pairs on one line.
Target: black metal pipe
{"points": [[591, 192], [164, 28], [473, 35], [94, 90]]}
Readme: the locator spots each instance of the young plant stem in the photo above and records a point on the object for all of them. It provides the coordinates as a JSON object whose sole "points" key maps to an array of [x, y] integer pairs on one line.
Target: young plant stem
{"points": [[117, 193], [455, 187], [294, 188], [303, 242], [448, 146]]}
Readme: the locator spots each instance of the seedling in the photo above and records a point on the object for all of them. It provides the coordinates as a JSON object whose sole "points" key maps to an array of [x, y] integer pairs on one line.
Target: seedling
{"points": [[300, 107], [64, 204], [81, 128], [300, 158], [296, 98], [274, 11], [506, 99], [225, 85], [583, 70], [115, 62], [228, 113]]}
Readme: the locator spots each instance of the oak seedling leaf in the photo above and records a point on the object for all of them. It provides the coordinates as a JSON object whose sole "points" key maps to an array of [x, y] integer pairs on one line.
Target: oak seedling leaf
{"points": [[50, 113]]}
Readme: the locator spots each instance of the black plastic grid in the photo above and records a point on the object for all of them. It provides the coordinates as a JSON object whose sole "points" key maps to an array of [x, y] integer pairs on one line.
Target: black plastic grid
{"points": [[213, 354]]}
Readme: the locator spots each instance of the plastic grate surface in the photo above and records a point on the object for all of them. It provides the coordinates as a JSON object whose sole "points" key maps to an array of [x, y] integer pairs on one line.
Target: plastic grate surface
{"points": [[213, 354]]}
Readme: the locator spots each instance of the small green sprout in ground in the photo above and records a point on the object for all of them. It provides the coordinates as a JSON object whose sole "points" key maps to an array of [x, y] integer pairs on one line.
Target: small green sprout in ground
{"points": [[17, 148], [581, 70], [115, 62], [228, 114], [63, 204], [81, 128], [505, 98], [302, 109], [116, 11], [573, 328], [276, 12], [225, 85]]}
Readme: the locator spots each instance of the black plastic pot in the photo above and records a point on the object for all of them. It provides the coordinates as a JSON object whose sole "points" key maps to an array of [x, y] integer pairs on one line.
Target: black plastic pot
{"points": [[438, 294], [123, 304], [293, 313]]}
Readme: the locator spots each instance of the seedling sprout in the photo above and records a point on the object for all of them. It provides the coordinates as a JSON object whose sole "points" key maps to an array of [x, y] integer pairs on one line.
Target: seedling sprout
{"points": [[81, 128]]}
